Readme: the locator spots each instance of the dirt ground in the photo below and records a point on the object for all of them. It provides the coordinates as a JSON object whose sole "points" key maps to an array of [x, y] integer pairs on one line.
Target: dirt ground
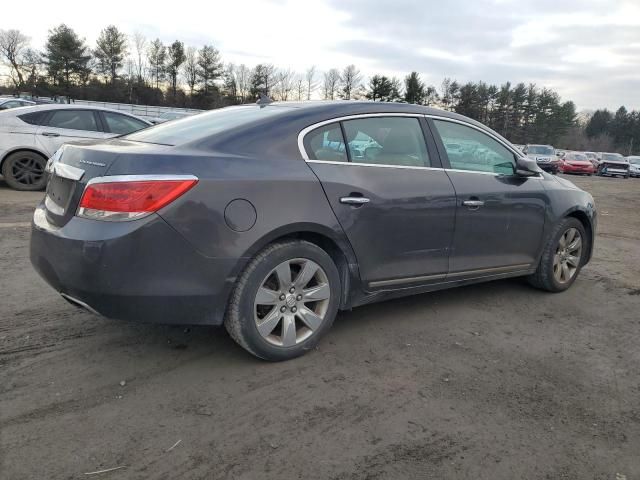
{"points": [[484, 382]]}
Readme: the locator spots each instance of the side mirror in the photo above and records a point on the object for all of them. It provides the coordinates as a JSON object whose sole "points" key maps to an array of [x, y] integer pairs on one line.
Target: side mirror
{"points": [[525, 167]]}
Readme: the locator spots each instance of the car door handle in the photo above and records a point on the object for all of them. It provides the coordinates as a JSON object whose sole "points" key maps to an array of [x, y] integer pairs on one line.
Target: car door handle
{"points": [[50, 134], [473, 203], [354, 200]]}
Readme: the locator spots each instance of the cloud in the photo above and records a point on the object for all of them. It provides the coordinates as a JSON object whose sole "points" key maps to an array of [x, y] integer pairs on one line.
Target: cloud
{"points": [[586, 49]]}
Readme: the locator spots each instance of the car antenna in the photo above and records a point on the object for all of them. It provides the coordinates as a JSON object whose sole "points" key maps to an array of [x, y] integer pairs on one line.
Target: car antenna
{"points": [[264, 99]]}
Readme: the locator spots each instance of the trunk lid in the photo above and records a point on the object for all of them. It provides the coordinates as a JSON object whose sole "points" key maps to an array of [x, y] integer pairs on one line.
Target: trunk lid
{"points": [[71, 168]]}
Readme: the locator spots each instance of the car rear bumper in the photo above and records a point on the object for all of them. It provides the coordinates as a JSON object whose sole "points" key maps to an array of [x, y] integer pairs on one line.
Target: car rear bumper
{"points": [[140, 270]]}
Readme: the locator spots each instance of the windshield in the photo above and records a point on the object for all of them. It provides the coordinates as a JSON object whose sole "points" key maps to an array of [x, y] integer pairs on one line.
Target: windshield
{"points": [[540, 149], [577, 157], [634, 160], [616, 157], [200, 126]]}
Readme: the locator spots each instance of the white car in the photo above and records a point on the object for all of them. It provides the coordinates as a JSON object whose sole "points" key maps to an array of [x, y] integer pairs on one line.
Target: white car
{"points": [[11, 102], [30, 135]]}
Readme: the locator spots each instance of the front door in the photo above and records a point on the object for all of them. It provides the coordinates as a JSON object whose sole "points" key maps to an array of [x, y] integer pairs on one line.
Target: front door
{"points": [[67, 125], [500, 216], [392, 199]]}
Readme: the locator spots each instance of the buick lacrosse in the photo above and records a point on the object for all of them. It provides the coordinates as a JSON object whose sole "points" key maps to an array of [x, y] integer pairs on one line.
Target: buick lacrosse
{"points": [[270, 218]]}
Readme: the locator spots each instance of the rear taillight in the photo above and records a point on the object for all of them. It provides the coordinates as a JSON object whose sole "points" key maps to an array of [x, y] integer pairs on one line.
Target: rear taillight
{"points": [[131, 197]]}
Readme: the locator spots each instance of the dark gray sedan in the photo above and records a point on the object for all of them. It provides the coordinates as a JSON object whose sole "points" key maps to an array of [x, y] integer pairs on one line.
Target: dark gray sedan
{"points": [[271, 218]]}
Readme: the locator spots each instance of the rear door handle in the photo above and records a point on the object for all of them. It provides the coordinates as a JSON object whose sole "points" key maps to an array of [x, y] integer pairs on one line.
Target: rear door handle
{"points": [[473, 203], [354, 200], [50, 134]]}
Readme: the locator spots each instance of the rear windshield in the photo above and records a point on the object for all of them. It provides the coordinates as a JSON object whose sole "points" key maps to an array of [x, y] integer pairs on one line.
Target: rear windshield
{"points": [[200, 126], [540, 149]]}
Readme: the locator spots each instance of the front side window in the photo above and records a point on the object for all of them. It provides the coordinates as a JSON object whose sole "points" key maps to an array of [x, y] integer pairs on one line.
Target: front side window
{"points": [[326, 143], [74, 120], [470, 149], [122, 124], [387, 141]]}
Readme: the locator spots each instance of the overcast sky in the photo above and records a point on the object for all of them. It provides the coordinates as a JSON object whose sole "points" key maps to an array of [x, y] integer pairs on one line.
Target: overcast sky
{"points": [[588, 50]]}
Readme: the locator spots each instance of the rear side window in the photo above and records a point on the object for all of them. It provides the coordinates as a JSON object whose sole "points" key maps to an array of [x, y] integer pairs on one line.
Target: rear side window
{"points": [[470, 149], [198, 127], [387, 141], [122, 124], [34, 118], [326, 143], [74, 120]]}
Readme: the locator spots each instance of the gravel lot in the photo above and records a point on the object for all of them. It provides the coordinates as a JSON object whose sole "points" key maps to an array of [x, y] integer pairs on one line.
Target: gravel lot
{"points": [[483, 382]]}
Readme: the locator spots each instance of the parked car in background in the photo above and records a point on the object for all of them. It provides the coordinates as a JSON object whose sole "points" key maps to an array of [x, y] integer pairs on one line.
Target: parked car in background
{"points": [[560, 153], [613, 165], [544, 155], [264, 218], [634, 165], [12, 102], [593, 158], [30, 135], [576, 162]]}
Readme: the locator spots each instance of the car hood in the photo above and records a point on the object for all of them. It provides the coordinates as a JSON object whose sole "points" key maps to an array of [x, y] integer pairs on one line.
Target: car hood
{"points": [[583, 163], [565, 183]]}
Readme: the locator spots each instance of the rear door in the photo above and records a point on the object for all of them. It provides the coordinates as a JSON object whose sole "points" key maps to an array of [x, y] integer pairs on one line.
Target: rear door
{"points": [[499, 216], [392, 199], [67, 125]]}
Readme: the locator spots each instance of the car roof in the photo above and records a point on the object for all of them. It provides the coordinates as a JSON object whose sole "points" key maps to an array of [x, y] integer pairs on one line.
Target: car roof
{"points": [[69, 106]]}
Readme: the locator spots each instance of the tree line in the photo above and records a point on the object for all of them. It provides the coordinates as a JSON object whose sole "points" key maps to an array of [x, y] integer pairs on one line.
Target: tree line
{"points": [[134, 69]]}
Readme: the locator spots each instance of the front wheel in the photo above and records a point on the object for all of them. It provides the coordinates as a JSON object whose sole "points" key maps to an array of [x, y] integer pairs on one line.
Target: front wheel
{"points": [[562, 257], [284, 301]]}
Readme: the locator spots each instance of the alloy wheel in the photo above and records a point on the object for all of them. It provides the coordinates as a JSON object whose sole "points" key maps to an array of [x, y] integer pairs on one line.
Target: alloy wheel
{"points": [[568, 254], [27, 171], [292, 302]]}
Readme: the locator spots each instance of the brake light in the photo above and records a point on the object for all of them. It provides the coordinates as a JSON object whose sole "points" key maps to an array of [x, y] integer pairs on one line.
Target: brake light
{"points": [[130, 199]]}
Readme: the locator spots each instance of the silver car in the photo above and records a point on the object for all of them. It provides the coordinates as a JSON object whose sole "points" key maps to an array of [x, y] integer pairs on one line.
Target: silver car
{"points": [[12, 102], [634, 165], [30, 135]]}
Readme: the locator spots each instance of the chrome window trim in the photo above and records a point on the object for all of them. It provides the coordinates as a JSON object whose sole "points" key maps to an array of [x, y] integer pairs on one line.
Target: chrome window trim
{"points": [[381, 165], [310, 128]]}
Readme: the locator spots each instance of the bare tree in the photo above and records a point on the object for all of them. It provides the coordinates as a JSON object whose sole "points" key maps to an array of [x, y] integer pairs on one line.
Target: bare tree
{"points": [[190, 69], [140, 47], [310, 75], [331, 84], [300, 87], [243, 78], [284, 84], [350, 82], [13, 44]]}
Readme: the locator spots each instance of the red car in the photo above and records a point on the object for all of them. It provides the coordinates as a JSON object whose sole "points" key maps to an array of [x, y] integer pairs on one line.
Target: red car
{"points": [[574, 162]]}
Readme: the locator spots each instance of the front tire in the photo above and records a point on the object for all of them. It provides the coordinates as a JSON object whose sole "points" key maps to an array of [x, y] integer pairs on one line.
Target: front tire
{"points": [[562, 258], [285, 300], [25, 171]]}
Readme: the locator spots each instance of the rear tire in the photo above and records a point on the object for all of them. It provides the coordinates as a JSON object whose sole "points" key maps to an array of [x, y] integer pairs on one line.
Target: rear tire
{"points": [[25, 170], [275, 312], [560, 254]]}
